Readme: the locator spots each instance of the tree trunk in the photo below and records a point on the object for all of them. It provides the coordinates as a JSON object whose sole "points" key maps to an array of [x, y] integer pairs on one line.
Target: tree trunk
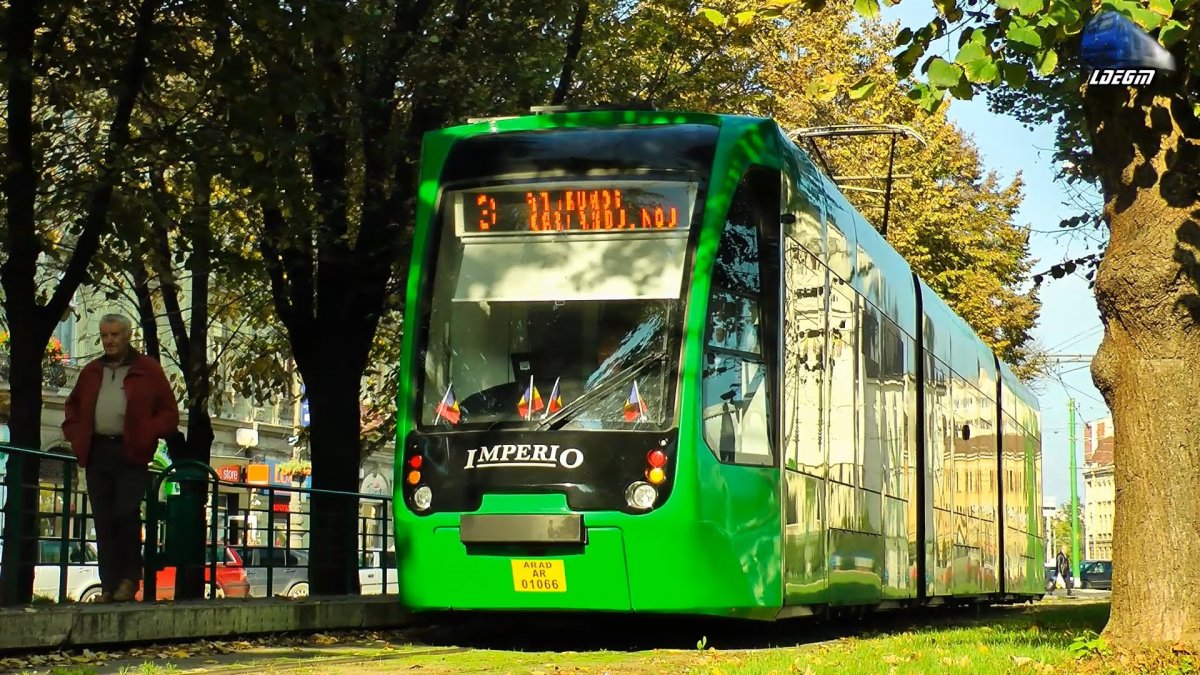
{"points": [[200, 432], [31, 322], [23, 472], [1148, 366], [192, 346], [333, 392]]}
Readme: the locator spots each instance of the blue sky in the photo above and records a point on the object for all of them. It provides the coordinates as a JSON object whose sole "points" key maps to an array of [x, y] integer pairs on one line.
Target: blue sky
{"points": [[1069, 322]]}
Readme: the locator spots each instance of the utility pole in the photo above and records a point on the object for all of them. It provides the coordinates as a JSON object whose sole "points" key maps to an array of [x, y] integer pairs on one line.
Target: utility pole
{"points": [[1074, 498]]}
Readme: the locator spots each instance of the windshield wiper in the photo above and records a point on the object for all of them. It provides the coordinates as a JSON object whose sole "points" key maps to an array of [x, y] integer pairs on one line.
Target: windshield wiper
{"points": [[563, 416]]}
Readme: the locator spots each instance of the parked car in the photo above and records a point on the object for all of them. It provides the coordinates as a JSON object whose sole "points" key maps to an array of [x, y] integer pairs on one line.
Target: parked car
{"points": [[83, 576], [289, 573], [1096, 574], [1051, 577], [371, 570], [231, 577]]}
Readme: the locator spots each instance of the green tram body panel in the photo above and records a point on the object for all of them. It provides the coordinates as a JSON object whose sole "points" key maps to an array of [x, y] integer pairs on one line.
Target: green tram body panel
{"points": [[903, 468]]}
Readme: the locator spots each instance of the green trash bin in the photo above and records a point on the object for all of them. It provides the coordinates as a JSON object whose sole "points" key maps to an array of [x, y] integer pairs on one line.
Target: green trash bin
{"points": [[184, 518]]}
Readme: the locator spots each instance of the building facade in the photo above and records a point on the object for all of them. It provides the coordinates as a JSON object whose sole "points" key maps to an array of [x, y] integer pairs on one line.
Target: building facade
{"points": [[1099, 490]]}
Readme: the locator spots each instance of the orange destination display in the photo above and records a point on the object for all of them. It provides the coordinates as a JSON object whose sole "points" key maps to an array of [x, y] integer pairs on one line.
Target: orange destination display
{"points": [[570, 208]]}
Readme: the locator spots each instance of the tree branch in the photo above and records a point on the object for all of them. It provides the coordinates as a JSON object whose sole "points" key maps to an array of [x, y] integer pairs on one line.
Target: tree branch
{"points": [[201, 266], [53, 33], [20, 178], [145, 305], [328, 153], [166, 279], [574, 46], [273, 228], [96, 218]]}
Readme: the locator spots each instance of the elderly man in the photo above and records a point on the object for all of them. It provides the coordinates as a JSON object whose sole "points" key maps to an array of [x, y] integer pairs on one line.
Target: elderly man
{"points": [[120, 406]]}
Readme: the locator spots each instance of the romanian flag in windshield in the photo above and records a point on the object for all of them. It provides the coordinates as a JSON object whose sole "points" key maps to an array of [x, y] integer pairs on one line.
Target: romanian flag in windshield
{"points": [[448, 408], [531, 401], [635, 407], [556, 403]]}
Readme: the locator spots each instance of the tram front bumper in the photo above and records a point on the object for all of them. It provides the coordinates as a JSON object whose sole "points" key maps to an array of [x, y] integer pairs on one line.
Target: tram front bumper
{"points": [[449, 574]]}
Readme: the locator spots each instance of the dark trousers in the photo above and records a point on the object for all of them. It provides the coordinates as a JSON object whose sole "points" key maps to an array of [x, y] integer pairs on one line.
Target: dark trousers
{"points": [[116, 489]]}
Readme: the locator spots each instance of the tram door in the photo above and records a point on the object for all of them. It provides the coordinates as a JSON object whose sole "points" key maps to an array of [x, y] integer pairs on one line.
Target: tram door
{"points": [[804, 344]]}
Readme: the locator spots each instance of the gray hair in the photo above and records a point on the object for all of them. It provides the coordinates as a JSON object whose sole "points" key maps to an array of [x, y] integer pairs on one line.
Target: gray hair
{"points": [[118, 318]]}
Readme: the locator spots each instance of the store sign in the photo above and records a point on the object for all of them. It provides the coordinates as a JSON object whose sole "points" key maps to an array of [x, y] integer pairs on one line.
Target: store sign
{"points": [[281, 507], [258, 474], [230, 473]]}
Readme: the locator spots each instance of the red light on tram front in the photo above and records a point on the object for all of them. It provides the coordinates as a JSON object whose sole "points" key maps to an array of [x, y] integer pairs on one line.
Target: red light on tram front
{"points": [[656, 458], [415, 461]]}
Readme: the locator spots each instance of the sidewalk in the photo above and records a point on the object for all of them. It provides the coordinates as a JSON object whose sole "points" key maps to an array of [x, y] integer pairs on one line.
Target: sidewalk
{"points": [[88, 625]]}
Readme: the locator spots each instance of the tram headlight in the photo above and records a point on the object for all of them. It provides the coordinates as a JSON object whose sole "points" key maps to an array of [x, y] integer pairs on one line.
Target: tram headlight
{"points": [[422, 497], [641, 495]]}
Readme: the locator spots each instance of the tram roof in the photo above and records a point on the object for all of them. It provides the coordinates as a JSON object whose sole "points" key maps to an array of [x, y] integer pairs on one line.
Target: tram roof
{"points": [[590, 117]]}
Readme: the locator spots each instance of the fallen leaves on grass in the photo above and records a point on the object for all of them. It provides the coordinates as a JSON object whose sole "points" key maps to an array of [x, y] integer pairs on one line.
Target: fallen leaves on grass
{"points": [[1173, 658], [197, 649]]}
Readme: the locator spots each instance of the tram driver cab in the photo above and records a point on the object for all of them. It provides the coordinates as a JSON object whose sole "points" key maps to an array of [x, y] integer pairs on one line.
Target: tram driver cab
{"points": [[575, 346]]}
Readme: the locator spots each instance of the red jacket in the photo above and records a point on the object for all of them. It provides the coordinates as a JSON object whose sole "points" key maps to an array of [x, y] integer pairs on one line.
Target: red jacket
{"points": [[151, 411]]}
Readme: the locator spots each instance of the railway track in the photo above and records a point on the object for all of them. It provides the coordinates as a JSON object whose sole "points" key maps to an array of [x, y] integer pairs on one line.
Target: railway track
{"points": [[338, 661]]}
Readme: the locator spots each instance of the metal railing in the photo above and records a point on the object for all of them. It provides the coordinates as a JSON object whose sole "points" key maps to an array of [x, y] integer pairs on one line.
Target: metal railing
{"points": [[268, 537]]}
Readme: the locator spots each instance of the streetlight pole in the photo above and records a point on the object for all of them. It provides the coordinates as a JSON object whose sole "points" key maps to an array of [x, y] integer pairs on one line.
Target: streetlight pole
{"points": [[1074, 499]]}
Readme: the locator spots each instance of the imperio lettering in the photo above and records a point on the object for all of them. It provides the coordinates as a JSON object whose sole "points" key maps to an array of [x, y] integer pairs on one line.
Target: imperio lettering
{"points": [[523, 454]]}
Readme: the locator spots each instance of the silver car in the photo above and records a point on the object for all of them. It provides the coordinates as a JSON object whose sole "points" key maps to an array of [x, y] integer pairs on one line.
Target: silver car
{"points": [[289, 573]]}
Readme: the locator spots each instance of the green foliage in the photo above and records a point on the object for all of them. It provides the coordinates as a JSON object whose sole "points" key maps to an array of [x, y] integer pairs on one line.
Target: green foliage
{"points": [[944, 74], [952, 221], [1060, 524], [868, 8], [1021, 66], [1089, 644], [862, 88]]}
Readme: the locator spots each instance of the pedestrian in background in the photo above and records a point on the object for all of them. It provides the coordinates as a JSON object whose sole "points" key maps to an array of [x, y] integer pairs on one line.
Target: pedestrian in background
{"points": [[1064, 569], [120, 406]]}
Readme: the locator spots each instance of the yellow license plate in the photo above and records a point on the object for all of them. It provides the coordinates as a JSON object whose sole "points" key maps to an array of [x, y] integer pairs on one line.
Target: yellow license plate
{"points": [[539, 576]]}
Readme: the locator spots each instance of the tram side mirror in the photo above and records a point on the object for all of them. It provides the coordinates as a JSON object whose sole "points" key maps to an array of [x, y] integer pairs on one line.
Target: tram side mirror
{"points": [[788, 219], [966, 432]]}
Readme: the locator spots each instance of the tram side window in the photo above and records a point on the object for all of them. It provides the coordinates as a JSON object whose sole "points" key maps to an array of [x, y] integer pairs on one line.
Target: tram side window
{"points": [[737, 417]]}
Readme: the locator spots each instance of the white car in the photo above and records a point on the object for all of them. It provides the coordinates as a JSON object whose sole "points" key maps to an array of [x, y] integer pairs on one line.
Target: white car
{"points": [[370, 573], [83, 574]]}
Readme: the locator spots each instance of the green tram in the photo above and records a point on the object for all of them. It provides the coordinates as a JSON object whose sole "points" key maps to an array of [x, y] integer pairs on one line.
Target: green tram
{"points": [[656, 362]]}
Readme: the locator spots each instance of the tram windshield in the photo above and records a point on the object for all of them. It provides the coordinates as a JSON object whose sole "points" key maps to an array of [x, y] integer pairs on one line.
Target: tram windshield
{"points": [[557, 306]]}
